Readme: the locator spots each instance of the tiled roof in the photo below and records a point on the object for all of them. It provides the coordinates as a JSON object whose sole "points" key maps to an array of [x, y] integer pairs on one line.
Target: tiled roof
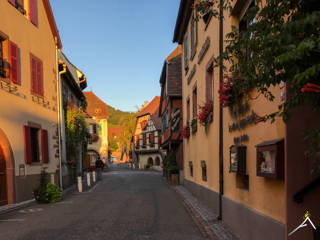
{"points": [[157, 121], [114, 130], [175, 53], [95, 104], [151, 108], [174, 77]]}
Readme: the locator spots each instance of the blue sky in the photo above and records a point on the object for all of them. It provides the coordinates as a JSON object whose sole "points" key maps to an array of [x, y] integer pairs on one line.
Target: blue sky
{"points": [[119, 45]]}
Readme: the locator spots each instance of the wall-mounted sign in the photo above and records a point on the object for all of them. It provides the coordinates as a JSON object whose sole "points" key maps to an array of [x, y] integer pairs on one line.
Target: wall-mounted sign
{"points": [[243, 122], [242, 138], [204, 50], [175, 120], [193, 70]]}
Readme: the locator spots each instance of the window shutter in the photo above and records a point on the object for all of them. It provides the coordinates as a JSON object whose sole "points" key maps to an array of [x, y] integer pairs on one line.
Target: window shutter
{"points": [[144, 139], [33, 12], [151, 138], [195, 25], [13, 2], [27, 144], [39, 78], [14, 63], [33, 63], [185, 48], [44, 144], [137, 141]]}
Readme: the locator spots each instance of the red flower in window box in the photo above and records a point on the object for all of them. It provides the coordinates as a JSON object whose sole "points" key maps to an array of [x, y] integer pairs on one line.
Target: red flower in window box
{"points": [[205, 114], [185, 131]]}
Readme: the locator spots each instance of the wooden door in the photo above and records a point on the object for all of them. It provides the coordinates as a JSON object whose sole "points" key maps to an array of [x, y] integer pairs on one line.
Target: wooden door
{"points": [[86, 162], [3, 179]]}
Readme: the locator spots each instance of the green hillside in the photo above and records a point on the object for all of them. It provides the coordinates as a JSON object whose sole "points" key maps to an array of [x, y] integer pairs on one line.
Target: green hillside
{"points": [[118, 117]]}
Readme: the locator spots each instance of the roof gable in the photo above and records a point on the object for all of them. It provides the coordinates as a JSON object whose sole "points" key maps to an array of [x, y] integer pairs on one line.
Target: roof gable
{"points": [[150, 108], [95, 104]]}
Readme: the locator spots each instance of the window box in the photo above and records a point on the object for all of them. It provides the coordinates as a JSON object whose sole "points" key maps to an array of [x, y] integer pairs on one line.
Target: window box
{"points": [[194, 125], [238, 158], [270, 159]]}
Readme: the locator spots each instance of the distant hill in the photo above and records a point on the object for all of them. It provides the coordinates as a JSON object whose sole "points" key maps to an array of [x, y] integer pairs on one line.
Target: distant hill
{"points": [[118, 117]]}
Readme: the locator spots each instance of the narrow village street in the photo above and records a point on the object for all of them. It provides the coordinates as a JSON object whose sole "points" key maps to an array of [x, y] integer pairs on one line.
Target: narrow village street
{"points": [[126, 204]]}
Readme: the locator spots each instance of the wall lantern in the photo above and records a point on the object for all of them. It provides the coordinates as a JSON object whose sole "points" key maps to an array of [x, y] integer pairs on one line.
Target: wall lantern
{"points": [[238, 158]]}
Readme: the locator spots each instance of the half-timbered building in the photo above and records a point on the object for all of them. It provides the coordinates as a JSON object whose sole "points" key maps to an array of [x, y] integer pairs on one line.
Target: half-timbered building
{"points": [[146, 147]]}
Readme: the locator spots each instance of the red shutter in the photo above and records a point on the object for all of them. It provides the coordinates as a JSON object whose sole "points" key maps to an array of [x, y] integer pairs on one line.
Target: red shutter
{"points": [[39, 78], [14, 63], [33, 74], [27, 144], [13, 2], [44, 143], [137, 141], [144, 139], [33, 12]]}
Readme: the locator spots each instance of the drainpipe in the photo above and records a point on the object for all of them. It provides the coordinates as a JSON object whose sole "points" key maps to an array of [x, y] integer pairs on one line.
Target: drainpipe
{"points": [[59, 109], [220, 116]]}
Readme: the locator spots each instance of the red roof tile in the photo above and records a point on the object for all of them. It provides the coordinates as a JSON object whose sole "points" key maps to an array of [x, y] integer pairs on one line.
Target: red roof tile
{"points": [[114, 131], [175, 53], [151, 108], [95, 104]]}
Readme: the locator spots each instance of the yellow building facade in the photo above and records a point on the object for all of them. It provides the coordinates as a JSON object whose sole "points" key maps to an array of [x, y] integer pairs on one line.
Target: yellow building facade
{"points": [[28, 119], [248, 195]]}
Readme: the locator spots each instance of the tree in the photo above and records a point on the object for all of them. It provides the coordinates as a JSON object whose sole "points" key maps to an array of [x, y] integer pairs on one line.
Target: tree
{"points": [[283, 44], [127, 131], [113, 145]]}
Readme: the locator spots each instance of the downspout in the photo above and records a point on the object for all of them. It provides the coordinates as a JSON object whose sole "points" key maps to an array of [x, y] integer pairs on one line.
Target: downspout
{"points": [[59, 109], [220, 115]]}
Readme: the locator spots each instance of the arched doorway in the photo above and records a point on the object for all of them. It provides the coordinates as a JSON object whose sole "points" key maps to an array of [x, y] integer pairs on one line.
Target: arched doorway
{"points": [[3, 179], [7, 154], [150, 161]]}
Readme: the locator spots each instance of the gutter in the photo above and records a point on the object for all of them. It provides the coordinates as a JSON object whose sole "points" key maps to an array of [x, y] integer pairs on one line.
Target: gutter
{"points": [[220, 116], [59, 108]]}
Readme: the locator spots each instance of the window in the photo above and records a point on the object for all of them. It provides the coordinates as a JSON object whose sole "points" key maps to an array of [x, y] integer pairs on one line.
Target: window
{"points": [[167, 118], [18, 4], [14, 63], [194, 102], [209, 80], [204, 170], [144, 139], [188, 109], [163, 129], [185, 52], [93, 129], [150, 161], [193, 35], [144, 124], [151, 138], [242, 181], [4, 64], [191, 168], [36, 145], [238, 158], [157, 161], [36, 76]]}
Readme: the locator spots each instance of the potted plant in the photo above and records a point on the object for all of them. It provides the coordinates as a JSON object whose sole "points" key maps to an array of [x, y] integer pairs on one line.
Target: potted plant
{"points": [[174, 172]]}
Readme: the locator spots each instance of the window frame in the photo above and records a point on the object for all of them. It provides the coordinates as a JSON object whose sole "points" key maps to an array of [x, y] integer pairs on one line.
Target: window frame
{"points": [[4, 58]]}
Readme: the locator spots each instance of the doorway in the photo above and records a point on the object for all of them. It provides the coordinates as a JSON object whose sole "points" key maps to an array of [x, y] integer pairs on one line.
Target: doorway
{"points": [[3, 179]]}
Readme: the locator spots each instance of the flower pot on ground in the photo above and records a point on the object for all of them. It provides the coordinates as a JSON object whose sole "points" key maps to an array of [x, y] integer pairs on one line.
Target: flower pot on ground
{"points": [[173, 172]]}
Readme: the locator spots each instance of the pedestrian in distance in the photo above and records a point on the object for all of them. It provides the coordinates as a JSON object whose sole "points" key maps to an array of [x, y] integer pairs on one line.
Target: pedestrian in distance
{"points": [[99, 167]]}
